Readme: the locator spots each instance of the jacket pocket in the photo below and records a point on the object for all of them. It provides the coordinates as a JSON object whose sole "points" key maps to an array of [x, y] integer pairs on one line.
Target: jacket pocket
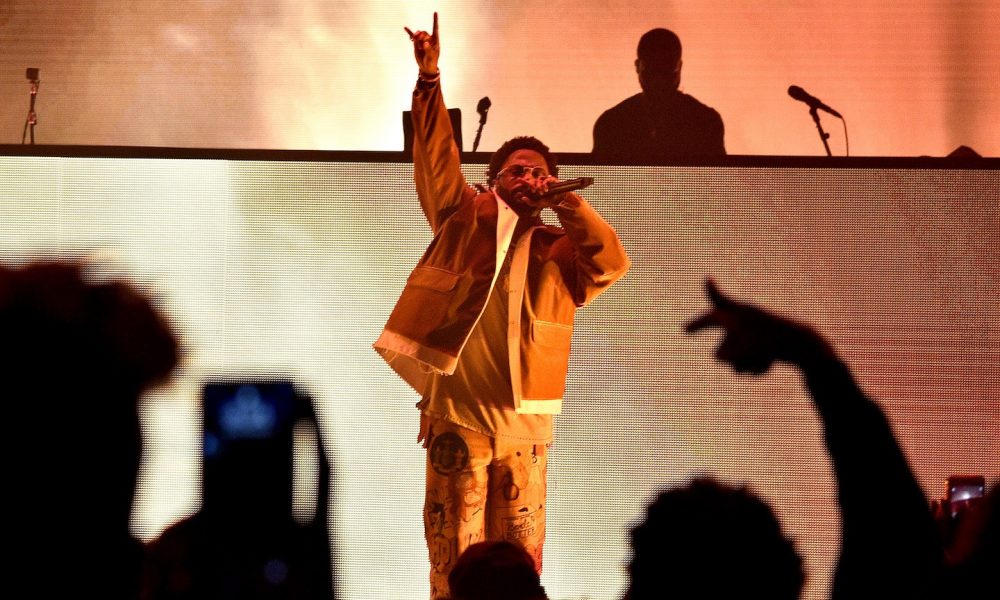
{"points": [[433, 278], [551, 335]]}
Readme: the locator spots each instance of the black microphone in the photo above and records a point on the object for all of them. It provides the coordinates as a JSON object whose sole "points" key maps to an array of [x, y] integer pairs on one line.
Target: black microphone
{"points": [[570, 185], [482, 108], [815, 103]]}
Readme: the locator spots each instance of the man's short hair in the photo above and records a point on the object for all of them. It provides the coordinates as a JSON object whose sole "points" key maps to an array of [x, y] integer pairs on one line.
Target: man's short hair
{"points": [[710, 540], [524, 142], [659, 46]]}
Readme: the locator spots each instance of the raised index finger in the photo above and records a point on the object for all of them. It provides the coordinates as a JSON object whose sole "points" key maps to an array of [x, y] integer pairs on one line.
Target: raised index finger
{"points": [[434, 31], [718, 299]]}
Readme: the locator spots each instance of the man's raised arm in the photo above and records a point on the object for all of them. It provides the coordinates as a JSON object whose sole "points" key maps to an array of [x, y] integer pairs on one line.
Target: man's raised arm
{"points": [[436, 165]]}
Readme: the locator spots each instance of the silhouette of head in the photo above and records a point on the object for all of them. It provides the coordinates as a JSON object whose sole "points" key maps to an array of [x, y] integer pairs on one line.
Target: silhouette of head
{"points": [[495, 571], [658, 62], [711, 541], [77, 355]]}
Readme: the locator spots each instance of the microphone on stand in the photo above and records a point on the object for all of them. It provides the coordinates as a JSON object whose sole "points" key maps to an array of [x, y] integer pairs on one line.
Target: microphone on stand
{"points": [[29, 124], [482, 108], [815, 103]]}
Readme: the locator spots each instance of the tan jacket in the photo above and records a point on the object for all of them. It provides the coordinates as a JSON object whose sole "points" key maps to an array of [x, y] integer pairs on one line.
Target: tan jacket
{"points": [[553, 271]]}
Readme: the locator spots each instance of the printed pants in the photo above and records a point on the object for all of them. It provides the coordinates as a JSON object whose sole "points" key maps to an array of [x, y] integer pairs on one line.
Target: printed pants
{"points": [[480, 488]]}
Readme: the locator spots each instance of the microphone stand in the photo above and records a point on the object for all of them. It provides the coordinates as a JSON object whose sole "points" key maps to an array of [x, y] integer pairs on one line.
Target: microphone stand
{"points": [[479, 132], [822, 134], [29, 123]]}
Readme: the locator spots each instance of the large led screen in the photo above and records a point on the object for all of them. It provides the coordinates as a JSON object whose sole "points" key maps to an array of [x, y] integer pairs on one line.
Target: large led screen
{"points": [[292, 266]]}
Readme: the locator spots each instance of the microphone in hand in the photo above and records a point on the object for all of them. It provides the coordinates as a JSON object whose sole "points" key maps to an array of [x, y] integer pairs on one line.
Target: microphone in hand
{"points": [[570, 185], [544, 199]]}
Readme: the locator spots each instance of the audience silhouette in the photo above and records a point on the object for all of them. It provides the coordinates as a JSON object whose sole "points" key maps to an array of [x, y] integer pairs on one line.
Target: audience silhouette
{"points": [[80, 351], [495, 570], [890, 547], [77, 354], [708, 540]]}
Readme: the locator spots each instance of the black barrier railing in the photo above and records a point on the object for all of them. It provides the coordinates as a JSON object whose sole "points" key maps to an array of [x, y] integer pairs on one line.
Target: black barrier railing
{"points": [[566, 158]]}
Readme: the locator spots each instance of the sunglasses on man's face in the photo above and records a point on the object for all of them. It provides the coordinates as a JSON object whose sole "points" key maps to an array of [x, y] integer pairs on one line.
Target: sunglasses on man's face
{"points": [[520, 170]]}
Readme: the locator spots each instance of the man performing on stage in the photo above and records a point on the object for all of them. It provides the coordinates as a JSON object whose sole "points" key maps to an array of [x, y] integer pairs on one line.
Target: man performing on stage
{"points": [[482, 329]]}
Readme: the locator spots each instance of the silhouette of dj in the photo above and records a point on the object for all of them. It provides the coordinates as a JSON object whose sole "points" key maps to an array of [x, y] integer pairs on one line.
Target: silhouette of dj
{"points": [[660, 123]]}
